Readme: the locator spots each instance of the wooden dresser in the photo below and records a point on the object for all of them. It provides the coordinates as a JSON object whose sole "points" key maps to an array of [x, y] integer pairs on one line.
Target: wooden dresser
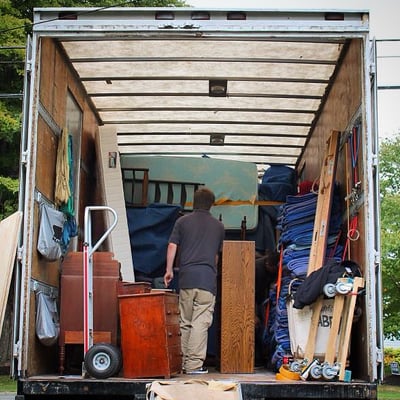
{"points": [[150, 334]]}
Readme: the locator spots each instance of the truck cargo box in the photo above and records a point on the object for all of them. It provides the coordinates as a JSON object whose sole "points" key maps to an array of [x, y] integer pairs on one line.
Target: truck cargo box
{"points": [[150, 104]]}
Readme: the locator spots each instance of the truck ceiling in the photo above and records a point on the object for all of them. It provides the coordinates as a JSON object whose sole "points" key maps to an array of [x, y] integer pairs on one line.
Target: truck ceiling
{"points": [[229, 89]]}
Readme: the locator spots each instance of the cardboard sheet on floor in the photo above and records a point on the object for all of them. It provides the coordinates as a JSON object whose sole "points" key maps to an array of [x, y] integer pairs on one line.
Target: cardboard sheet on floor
{"points": [[9, 230], [193, 389]]}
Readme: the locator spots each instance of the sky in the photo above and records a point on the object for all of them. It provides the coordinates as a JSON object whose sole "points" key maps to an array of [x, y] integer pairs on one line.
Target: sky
{"points": [[384, 27]]}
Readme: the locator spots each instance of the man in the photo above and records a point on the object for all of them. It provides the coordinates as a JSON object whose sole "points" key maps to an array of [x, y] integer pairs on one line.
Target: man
{"points": [[199, 237]]}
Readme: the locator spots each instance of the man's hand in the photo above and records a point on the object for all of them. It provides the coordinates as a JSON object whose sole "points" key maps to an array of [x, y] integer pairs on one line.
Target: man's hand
{"points": [[168, 278]]}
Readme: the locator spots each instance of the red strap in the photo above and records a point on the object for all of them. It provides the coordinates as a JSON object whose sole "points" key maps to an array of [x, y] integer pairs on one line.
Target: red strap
{"points": [[279, 278], [352, 234]]}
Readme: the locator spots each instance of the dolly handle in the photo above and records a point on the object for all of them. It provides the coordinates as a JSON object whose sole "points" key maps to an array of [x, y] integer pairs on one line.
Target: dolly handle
{"points": [[88, 227], [88, 250]]}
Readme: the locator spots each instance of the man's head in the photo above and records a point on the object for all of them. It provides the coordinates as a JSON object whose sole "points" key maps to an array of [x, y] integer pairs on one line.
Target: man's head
{"points": [[203, 199]]}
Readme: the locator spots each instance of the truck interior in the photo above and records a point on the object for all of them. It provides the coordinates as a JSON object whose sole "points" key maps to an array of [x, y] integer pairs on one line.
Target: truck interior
{"points": [[236, 100]]}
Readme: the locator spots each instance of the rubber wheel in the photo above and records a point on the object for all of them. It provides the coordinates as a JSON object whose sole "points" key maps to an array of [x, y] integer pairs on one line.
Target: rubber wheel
{"points": [[343, 288], [328, 372], [329, 290], [103, 360], [316, 372], [296, 367]]}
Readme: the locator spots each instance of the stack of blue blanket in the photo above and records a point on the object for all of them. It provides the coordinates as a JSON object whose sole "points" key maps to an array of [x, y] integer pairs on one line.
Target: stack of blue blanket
{"points": [[296, 224]]}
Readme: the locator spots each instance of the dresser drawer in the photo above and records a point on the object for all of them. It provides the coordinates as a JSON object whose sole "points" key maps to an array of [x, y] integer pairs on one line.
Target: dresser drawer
{"points": [[173, 333], [171, 313], [175, 359]]}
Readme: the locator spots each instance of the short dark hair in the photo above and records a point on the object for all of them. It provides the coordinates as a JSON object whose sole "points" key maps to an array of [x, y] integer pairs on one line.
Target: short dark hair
{"points": [[203, 199]]}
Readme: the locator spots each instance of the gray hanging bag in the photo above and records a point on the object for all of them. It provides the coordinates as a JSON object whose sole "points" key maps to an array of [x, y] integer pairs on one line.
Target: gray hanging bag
{"points": [[47, 321], [50, 232]]}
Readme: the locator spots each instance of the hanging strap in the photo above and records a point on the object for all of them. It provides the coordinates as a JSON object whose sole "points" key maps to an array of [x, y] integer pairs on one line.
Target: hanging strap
{"points": [[352, 234], [279, 278]]}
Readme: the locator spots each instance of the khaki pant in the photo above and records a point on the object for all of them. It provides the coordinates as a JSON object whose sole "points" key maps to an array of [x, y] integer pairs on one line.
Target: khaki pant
{"points": [[196, 308]]}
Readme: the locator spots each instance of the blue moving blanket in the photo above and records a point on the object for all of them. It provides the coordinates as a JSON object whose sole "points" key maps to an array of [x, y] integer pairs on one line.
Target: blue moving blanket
{"points": [[149, 231]]}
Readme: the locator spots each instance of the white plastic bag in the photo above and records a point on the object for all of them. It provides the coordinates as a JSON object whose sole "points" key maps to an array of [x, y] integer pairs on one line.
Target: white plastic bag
{"points": [[50, 232], [47, 321]]}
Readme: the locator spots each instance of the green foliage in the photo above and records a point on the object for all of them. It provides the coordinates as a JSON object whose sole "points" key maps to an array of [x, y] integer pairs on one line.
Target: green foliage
{"points": [[12, 54], [8, 196], [391, 355], [389, 164], [10, 128], [13, 44], [9, 121], [26, 7], [390, 235]]}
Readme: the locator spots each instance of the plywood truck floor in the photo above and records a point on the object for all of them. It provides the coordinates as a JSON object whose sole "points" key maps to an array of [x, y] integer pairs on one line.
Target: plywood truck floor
{"points": [[259, 375]]}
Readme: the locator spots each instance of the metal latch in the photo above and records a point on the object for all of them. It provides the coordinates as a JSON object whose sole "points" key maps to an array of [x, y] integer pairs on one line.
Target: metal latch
{"points": [[168, 26], [190, 26], [379, 355], [24, 157], [184, 26]]}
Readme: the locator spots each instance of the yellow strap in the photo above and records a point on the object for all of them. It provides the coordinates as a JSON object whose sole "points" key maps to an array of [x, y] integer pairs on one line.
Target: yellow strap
{"points": [[293, 376], [225, 202], [280, 377]]}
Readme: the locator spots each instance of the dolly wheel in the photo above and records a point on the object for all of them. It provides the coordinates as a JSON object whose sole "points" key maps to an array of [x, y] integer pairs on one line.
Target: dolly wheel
{"points": [[316, 371], [103, 360], [329, 290], [329, 372]]}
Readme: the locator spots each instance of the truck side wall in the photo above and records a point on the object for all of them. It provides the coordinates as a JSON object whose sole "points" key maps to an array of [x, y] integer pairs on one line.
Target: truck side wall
{"points": [[342, 105], [56, 80]]}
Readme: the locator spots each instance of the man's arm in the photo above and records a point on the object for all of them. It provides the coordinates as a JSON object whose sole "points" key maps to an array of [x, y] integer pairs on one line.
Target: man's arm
{"points": [[169, 273]]}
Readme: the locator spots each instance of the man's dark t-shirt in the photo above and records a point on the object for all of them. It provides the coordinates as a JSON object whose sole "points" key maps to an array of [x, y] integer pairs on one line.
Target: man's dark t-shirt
{"points": [[199, 237]]}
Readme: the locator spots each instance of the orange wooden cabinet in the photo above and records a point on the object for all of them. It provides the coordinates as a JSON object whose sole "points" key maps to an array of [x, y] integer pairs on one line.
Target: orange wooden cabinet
{"points": [[150, 335]]}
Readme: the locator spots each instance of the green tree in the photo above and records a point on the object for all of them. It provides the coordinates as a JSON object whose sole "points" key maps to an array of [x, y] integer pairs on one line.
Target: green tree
{"points": [[15, 24], [8, 196], [390, 234], [25, 7], [11, 71]]}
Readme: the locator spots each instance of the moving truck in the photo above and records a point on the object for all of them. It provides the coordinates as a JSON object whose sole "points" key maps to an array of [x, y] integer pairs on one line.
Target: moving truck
{"points": [[144, 105]]}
